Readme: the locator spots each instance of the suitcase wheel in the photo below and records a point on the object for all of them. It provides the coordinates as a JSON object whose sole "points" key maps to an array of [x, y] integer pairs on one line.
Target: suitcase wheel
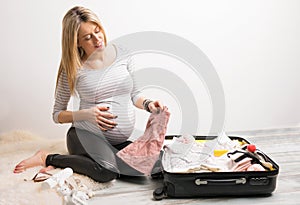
{"points": [[159, 194]]}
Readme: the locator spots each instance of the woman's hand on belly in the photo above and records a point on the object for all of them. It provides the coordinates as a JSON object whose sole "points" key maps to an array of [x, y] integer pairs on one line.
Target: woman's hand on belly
{"points": [[99, 115]]}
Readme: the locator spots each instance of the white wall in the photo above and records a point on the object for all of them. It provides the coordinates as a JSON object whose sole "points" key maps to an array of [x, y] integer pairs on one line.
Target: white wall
{"points": [[254, 46]]}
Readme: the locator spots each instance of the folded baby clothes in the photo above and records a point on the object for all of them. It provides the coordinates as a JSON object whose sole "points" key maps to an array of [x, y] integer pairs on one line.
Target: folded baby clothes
{"points": [[185, 154], [182, 154]]}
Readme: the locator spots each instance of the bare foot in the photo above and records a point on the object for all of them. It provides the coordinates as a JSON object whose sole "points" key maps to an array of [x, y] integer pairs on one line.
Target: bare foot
{"points": [[38, 159], [46, 169]]}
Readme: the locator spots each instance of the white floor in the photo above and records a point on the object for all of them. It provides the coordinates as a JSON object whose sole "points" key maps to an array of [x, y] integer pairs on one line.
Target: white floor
{"points": [[282, 145]]}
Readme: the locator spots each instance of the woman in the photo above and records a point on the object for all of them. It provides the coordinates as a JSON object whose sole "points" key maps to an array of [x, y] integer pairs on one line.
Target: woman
{"points": [[102, 76]]}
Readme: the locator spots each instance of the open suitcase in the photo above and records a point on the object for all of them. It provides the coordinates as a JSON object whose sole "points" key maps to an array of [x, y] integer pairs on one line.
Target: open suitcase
{"points": [[206, 184]]}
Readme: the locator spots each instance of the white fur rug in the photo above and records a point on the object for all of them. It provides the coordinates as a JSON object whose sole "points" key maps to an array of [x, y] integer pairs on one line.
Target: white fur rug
{"points": [[18, 189]]}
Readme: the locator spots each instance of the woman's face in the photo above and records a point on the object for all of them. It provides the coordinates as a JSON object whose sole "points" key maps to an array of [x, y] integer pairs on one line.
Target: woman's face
{"points": [[90, 38]]}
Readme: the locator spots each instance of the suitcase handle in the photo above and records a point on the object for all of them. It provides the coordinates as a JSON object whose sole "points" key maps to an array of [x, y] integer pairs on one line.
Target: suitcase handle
{"points": [[199, 182]]}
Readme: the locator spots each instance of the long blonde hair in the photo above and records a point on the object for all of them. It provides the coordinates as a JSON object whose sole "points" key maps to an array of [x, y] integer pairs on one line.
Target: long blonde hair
{"points": [[72, 55]]}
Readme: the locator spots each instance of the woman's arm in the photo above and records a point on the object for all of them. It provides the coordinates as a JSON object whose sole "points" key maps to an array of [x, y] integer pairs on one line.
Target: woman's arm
{"points": [[139, 102], [96, 115], [65, 117], [62, 97]]}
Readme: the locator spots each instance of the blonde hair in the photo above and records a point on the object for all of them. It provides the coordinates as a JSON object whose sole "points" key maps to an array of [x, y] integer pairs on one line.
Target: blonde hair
{"points": [[72, 55]]}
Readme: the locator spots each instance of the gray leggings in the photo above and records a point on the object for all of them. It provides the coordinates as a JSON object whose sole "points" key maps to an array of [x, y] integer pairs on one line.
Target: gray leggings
{"points": [[93, 156]]}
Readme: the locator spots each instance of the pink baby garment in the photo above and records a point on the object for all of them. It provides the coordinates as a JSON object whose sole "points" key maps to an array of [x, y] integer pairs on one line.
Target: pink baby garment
{"points": [[144, 152]]}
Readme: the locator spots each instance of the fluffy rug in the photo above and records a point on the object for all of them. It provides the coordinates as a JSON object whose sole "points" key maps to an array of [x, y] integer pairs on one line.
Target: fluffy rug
{"points": [[20, 189]]}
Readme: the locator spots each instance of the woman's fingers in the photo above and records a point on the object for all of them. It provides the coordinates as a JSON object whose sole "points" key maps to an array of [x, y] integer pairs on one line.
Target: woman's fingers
{"points": [[104, 126], [159, 104], [103, 111], [104, 118], [105, 123], [103, 108], [108, 115], [155, 106]]}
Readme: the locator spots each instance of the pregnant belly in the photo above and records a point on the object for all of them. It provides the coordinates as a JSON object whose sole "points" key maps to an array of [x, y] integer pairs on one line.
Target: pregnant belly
{"points": [[125, 118]]}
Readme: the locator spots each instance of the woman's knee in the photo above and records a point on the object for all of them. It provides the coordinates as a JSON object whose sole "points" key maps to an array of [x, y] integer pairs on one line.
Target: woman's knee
{"points": [[73, 143], [104, 175]]}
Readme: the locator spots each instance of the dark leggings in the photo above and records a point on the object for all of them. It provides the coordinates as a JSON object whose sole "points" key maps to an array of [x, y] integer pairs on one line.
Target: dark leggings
{"points": [[92, 155]]}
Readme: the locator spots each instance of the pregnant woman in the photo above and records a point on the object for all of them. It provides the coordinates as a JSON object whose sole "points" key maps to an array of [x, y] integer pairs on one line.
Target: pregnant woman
{"points": [[102, 76]]}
